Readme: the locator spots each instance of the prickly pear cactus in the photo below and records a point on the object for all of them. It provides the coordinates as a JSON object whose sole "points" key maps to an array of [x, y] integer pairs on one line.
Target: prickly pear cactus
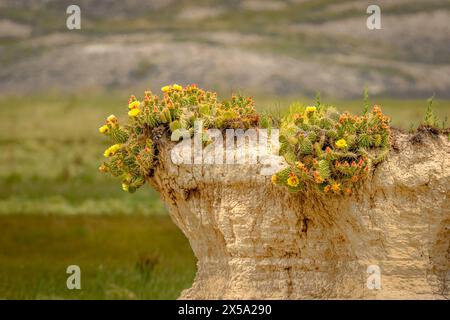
{"points": [[326, 151]]}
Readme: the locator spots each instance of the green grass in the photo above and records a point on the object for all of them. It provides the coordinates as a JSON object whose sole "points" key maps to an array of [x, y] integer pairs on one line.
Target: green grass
{"points": [[56, 209], [405, 114], [120, 257]]}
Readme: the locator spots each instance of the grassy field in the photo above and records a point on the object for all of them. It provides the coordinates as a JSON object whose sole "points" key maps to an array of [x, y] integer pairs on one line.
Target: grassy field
{"points": [[404, 114], [57, 210], [120, 257]]}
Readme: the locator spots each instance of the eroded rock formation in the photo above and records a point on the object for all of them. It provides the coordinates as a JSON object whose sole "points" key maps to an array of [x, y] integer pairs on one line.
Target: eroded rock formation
{"points": [[254, 240]]}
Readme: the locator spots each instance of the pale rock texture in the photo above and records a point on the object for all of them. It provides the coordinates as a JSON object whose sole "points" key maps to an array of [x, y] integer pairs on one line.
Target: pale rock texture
{"points": [[254, 240]]}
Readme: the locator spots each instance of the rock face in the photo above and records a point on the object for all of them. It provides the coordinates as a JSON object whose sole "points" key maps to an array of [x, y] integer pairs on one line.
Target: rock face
{"points": [[254, 240]]}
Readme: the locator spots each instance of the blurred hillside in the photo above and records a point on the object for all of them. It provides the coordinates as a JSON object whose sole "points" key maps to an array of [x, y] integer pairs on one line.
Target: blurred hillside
{"points": [[268, 47]]}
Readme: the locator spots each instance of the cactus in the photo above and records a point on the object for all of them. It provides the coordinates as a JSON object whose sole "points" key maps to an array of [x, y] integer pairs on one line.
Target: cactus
{"points": [[324, 168], [283, 175], [351, 140], [312, 136], [333, 149], [365, 140], [290, 157], [325, 151], [204, 110], [377, 140], [118, 135], [305, 146], [151, 119], [165, 116], [326, 123], [332, 134]]}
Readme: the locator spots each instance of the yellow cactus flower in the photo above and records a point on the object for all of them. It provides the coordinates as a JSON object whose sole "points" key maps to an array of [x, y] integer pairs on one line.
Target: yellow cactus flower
{"points": [[112, 150], [311, 109], [293, 181], [103, 129], [165, 88], [274, 179], [341, 144], [125, 187], [134, 112], [177, 87], [336, 187], [326, 189], [134, 105]]}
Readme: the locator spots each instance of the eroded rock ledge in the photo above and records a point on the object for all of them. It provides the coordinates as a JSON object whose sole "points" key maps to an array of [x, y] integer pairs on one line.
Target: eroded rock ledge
{"points": [[254, 240]]}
